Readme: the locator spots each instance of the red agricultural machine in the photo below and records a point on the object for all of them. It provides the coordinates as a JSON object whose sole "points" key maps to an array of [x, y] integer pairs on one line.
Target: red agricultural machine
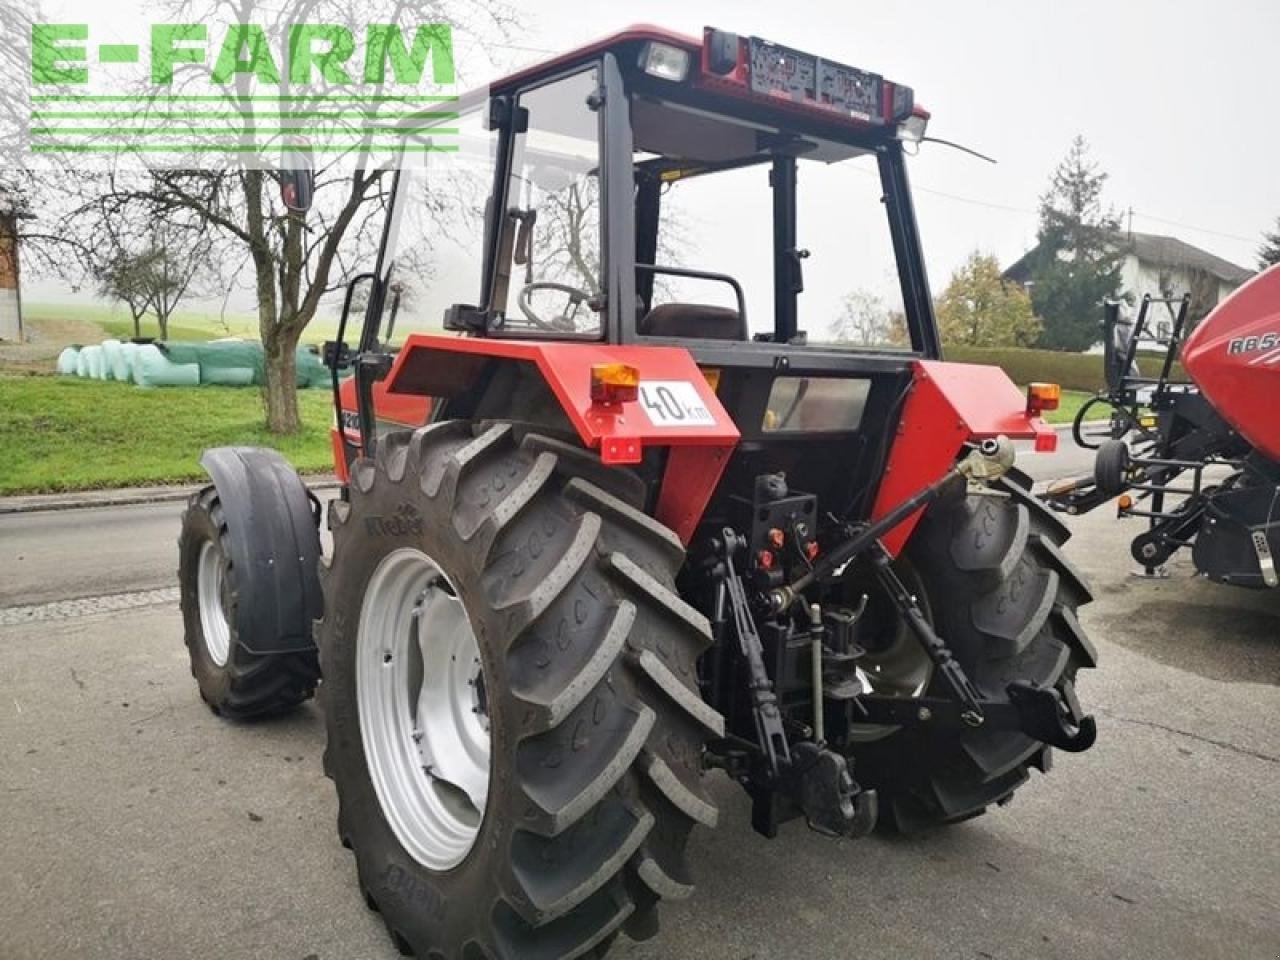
{"points": [[597, 540], [1198, 458]]}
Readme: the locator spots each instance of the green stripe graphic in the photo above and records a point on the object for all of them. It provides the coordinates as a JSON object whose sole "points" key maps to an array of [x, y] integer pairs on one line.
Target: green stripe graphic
{"points": [[229, 98], [238, 148], [254, 114], [118, 53], [223, 131]]}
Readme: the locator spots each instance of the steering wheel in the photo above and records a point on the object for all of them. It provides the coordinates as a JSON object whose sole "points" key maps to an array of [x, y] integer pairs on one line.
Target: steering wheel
{"points": [[561, 324]]}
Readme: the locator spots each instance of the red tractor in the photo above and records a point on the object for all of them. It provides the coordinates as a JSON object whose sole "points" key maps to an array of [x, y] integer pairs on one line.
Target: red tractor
{"points": [[599, 538], [1199, 459]]}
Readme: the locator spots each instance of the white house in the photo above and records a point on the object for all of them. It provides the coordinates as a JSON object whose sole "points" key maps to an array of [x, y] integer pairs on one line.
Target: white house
{"points": [[1163, 267]]}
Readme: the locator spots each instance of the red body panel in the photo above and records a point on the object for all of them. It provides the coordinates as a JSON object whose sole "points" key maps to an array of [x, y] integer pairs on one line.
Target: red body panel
{"points": [[409, 410], [1234, 358], [441, 366], [949, 404], [405, 410]]}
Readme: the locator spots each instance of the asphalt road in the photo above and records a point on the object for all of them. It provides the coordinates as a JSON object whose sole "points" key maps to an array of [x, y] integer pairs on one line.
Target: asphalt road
{"points": [[134, 824]]}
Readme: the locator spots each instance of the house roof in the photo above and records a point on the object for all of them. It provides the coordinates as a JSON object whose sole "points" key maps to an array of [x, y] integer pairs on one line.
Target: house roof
{"points": [[1172, 252], [1158, 251]]}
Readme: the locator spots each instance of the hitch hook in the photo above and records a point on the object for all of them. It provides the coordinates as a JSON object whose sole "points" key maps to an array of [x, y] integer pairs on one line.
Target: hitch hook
{"points": [[1053, 716]]}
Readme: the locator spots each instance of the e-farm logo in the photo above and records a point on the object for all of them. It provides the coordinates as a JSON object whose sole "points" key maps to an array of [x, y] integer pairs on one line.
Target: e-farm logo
{"points": [[195, 90]]}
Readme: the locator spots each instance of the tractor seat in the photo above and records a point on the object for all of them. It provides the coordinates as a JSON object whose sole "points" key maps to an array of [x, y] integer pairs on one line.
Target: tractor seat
{"points": [[692, 320]]}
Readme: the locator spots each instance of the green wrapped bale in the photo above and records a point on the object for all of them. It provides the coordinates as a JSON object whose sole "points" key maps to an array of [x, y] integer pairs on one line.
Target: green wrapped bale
{"points": [[67, 360], [241, 362], [113, 361], [151, 368], [93, 362], [227, 376]]}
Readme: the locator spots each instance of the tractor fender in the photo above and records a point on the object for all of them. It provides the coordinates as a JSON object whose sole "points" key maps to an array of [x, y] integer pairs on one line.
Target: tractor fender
{"points": [[674, 406], [949, 405], [276, 539]]}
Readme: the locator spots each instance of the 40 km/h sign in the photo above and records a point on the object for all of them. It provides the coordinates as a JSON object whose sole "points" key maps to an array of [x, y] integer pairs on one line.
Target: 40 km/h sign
{"points": [[674, 403]]}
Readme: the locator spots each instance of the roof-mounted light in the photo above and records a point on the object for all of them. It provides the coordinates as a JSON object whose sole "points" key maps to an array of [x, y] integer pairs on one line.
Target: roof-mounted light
{"points": [[912, 129], [664, 61], [766, 71], [721, 51]]}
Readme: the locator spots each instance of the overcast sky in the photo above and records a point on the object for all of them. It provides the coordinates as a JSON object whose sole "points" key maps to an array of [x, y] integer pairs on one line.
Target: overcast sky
{"points": [[1178, 100]]}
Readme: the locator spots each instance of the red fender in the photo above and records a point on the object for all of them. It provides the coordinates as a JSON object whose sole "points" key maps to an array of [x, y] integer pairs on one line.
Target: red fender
{"points": [[949, 404], [700, 439]]}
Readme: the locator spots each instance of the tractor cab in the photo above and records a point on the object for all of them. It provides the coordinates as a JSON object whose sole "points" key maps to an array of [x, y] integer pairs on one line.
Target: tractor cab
{"points": [[588, 198], [737, 198]]}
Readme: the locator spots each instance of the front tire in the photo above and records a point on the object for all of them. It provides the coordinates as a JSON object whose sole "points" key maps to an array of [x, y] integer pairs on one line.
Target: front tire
{"points": [[236, 682], [586, 656]]}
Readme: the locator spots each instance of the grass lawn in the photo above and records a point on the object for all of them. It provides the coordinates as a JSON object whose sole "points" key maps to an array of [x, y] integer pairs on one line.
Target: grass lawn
{"points": [[185, 324], [1072, 401], [61, 433]]}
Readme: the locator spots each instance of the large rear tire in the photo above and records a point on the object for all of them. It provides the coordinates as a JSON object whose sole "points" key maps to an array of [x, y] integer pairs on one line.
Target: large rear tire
{"points": [[234, 680], [1003, 597], [590, 722]]}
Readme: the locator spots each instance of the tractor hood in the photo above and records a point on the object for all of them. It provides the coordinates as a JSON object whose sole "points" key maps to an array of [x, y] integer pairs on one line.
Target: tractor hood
{"points": [[1234, 358]]}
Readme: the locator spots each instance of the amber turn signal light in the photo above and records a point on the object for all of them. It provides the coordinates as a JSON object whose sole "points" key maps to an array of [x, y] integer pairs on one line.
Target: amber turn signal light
{"points": [[1042, 397], [614, 382]]}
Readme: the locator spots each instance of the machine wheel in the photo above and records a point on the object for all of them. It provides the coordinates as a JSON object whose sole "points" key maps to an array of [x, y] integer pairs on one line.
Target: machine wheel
{"points": [[993, 579], [234, 681], [1111, 468], [514, 726]]}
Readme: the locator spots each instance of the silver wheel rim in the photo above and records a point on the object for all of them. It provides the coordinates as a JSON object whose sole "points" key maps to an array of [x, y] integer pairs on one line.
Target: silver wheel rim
{"points": [[210, 578], [423, 709], [899, 668]]}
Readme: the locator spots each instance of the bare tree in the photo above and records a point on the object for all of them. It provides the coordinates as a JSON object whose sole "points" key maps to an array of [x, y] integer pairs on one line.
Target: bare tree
{"points": [[295, 261], [866, 321], [121, 276]]}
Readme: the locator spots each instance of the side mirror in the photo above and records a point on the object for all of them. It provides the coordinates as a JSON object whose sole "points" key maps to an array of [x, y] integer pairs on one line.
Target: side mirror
{"points": [[297, 189], [298, 178], [396, 290]]}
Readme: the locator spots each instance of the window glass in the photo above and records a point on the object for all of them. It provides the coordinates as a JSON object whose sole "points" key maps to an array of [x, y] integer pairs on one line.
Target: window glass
{"points": [[852, 294], [815, 404], [554, 209], [719, 223], [435, 255], [722, 222]]}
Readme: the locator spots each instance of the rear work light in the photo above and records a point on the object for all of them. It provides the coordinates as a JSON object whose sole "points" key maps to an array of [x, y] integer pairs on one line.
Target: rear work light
{"points": [[1042, 397], [664, 61], [613, 383]]}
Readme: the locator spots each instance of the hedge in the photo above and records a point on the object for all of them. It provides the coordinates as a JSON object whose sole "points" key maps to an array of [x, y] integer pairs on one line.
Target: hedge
{"points": [[1071, 371]]}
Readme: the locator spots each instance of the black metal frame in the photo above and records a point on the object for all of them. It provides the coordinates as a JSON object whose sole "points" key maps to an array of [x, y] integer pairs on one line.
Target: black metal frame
{"points": [[1187, 437]]}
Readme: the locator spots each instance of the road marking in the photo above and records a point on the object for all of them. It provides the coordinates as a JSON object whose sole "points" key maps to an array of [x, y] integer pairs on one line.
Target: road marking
{"points": [[86, 606]]}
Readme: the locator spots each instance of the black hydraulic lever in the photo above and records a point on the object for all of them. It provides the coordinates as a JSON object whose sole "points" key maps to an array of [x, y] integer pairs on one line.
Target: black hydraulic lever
{"points": [[764, 702], [943, 660], [862, 539]]}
